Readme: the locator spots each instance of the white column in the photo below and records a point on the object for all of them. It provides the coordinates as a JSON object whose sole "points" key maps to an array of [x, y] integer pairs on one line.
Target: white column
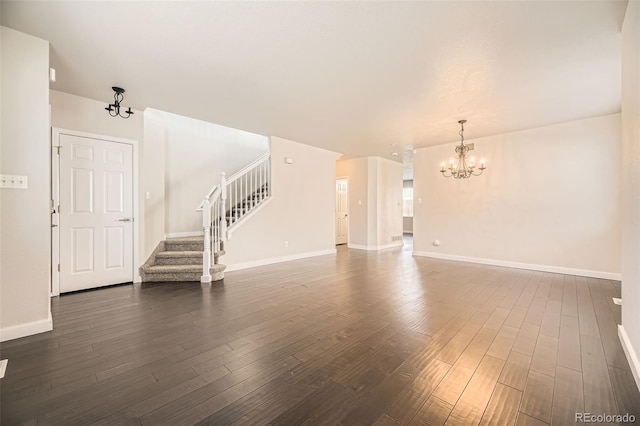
{"points": [[206, 254]]}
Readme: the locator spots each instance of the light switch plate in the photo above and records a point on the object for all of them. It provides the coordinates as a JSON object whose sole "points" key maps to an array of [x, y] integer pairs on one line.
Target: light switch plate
{"points": [[14, 181]]}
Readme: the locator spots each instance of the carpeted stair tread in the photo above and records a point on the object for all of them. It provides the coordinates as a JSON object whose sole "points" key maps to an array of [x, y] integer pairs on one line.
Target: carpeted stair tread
{"points": [[168, 273], [185, 240], [180, 254]]}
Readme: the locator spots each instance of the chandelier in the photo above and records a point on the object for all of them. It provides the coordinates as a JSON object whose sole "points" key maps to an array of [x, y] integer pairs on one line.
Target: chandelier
{"points": [[114, 108], [465, 167]]}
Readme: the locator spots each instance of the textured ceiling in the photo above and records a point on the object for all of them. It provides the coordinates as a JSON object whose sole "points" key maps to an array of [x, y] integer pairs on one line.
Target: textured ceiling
{"points": [[361, 78]]}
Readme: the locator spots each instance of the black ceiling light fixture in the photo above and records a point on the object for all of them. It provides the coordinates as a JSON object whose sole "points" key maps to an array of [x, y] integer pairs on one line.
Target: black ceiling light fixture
{"points": [[114, 108]]}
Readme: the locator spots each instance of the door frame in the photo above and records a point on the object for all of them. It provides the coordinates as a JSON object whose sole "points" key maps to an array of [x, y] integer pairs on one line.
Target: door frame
{"points": [[56, 132], [348, 209]]}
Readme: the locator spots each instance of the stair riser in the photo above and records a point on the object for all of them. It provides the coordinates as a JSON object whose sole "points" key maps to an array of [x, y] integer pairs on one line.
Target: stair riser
{"points": [[179, 260], [179, 277], [154, 278], [181, 246]]}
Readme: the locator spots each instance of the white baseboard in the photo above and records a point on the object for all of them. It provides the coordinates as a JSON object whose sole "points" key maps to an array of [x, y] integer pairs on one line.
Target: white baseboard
{"points": [[3, 367], [137, 279], [518, 265], [632, 356], [398, 243], [184, 234], [28, 329], [262, 262]]}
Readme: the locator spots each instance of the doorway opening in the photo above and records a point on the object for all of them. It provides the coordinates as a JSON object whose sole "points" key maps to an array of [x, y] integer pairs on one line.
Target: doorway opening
{"points": [[342, 211]]}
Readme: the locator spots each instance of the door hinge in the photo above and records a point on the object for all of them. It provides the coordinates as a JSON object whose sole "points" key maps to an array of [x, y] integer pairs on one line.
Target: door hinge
{"points": [[58, 149], [58, 267]]}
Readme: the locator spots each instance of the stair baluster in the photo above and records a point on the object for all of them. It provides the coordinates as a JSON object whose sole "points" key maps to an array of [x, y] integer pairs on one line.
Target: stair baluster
{"points": [[225, 206]]}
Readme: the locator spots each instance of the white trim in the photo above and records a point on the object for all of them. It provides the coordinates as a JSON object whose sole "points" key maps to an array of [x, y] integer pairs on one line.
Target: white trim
{"points": [[348, 211], [54, 184], [533, 267], [249, 167], [254, 263], [137, 279], [55, 138], [235, 225], [28, 329], [184, 234], [3, 367], [398, 243], [138, 220], [106, 138], [632, 356]]}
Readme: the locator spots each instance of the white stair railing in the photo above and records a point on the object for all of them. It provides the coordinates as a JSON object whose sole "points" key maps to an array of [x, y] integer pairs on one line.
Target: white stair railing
{"points": [[210, 224], [248, 188], [243, 192]]}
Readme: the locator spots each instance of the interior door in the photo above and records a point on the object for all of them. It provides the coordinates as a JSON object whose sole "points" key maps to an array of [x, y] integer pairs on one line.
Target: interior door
{"points": [[96, 212], [342, 221]]}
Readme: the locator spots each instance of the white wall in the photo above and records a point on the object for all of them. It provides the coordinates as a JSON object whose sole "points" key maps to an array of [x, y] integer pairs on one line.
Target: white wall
{"points": [[549, 197], [301, 211], [356, 170], [630, 331], [375, 201], [389, 205], [152, 183], [24, 214], [196, 152]]}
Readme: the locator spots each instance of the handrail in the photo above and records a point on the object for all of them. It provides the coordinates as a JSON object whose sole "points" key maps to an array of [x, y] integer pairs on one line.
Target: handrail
{"points": [[208, 197], [211, 191], [248, 168]]}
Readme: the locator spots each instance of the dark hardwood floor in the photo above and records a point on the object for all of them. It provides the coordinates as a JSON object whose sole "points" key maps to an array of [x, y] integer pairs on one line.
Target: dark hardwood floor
{"points": [[358, 338]]}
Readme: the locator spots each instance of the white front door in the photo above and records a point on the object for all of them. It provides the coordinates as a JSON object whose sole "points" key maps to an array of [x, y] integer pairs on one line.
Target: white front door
{"points": [[96, 212], [342, 221]]}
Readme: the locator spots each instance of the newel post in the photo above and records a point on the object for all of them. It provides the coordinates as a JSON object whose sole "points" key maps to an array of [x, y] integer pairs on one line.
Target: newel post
{"points": [[206, 254], [223, 206]]}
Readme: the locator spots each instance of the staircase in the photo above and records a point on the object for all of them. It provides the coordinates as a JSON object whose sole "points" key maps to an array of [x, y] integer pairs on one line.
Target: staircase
{"points": [[196, 258], [178, 259]]}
